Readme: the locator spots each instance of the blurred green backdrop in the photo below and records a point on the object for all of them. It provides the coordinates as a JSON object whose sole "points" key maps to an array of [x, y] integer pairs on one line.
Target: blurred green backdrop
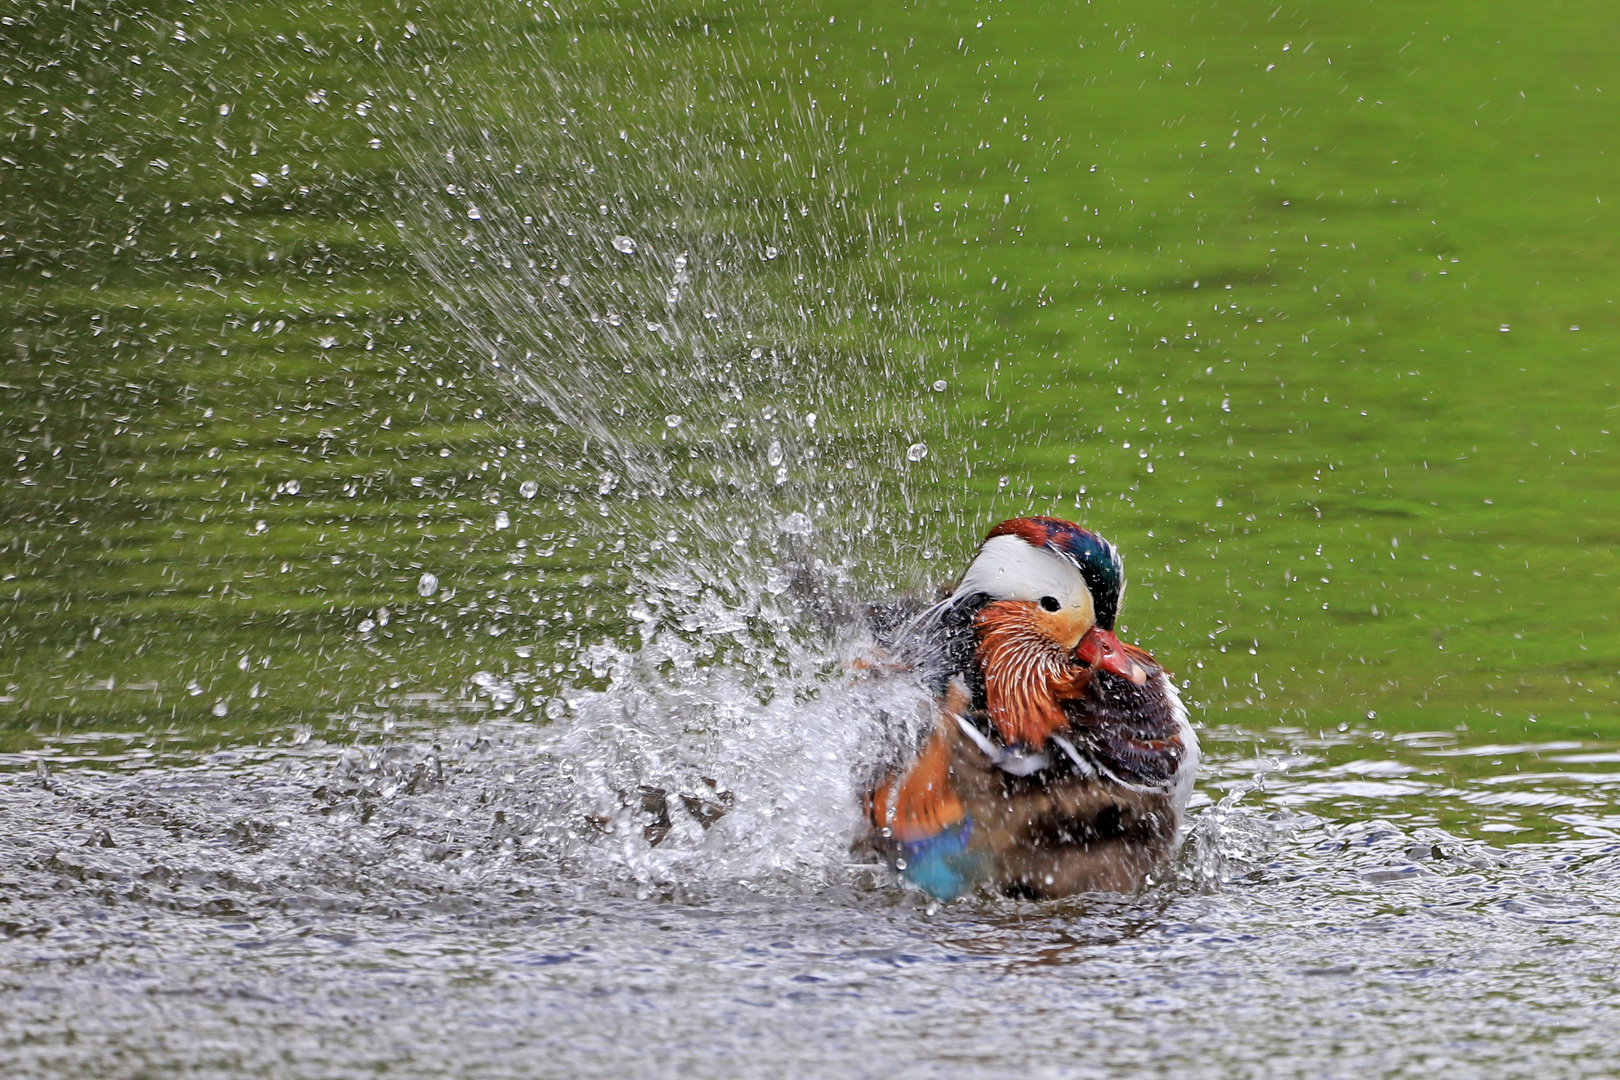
{"points": [[1308, 307]]}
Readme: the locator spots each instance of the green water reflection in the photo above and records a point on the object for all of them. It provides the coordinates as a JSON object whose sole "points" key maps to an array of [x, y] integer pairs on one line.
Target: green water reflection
{"points": [[1307, 308]]}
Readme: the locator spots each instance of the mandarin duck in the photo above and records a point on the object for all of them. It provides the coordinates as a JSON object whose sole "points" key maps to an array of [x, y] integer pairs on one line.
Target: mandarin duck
{"points": [[1060, 760]]}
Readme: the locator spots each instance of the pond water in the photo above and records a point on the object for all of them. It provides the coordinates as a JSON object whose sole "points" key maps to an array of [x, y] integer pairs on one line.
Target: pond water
{"points": [[434, 431]]}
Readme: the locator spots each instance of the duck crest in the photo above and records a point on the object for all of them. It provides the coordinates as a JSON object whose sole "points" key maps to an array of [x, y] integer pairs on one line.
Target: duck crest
{"points": [[1026, 675]]}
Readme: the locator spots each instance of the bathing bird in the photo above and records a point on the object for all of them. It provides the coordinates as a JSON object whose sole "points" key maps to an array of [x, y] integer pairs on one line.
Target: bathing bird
{"points": [[1059, 760]]}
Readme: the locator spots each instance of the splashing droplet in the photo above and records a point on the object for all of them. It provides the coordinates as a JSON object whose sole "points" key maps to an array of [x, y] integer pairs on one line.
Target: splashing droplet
{"points": [[916, 452], [428, 584], [528, 489], [503, 520], [796, 524], [624, 244]]}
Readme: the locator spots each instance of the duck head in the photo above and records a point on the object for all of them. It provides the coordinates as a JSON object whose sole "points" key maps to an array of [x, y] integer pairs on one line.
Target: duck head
{"points": [[1063, 581]]}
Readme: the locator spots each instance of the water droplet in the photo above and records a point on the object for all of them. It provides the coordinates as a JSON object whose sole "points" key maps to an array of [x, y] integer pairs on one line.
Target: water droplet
{"points": [[937, 208], [770, 252], [444, 452], [624, 244], [1506, 328], [796, 524], [503, 520], [673, 420], [292, 487], [261, 526], [565, 281], [474, 214], [428, 584], [774, 454], [940, 385], [754, 354], [220, 708], [916, 452], [673, 295], [367, 626]]}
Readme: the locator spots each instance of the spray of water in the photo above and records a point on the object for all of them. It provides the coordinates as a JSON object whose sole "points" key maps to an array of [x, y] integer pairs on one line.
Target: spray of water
{"points": [[679, 285]]}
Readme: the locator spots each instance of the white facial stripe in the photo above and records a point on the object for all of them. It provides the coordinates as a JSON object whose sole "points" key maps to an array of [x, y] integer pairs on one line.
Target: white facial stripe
{"points": [[1007, 568]]}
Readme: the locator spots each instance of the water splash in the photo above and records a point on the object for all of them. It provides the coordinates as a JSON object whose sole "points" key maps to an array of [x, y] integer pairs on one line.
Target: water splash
{"points": [[706, 334]]}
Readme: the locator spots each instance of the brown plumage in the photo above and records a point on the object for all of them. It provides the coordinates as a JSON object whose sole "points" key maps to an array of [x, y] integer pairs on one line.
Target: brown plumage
{"points": [[1131, 731]]}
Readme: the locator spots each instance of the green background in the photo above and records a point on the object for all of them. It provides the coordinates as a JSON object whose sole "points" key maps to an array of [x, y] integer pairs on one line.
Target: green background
{"points": [[1317, 298]]}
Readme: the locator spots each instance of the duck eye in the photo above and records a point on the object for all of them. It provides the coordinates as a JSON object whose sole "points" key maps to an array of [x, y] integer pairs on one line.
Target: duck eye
{"points": [[1050, 603]]}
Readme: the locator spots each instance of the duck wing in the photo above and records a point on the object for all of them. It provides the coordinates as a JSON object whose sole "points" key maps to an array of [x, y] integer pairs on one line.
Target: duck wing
{"points": [[1137, 734]]}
